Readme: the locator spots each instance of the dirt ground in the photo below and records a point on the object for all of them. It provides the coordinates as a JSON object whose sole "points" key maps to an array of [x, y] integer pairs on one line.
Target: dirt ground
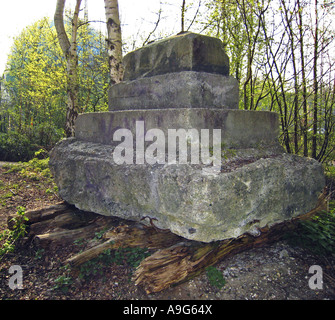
{"points": [[275, 272]]}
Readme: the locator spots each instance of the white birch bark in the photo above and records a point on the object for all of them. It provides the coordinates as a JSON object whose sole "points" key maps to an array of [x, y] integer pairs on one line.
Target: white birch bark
{"points": [[114, 41], [69, 48]]}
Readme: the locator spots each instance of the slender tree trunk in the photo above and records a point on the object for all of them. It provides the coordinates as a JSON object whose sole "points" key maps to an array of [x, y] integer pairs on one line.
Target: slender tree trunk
{"points": [[248, 103], [252, 16], [295, 75], [69, 48], [315, 75], [114, 41], [280, 98], [304, 84], [183, 9]]}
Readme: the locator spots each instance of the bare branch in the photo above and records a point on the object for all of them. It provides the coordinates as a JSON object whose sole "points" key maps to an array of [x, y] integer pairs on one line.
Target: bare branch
{"points": [[195, 16], [155, 28]]}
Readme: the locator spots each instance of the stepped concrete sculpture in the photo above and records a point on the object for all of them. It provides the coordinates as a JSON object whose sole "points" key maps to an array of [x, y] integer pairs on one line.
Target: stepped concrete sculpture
{"points": [[146, 160]]}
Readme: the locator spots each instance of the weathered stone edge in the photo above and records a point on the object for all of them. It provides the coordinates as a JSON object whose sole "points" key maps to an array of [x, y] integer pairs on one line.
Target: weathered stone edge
{"points": [[85, 172], [186, 89], [238, 126]]}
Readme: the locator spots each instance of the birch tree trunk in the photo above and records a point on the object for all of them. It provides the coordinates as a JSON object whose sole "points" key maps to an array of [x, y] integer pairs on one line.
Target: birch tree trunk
{"points": [[69, 48], [114, 41]]}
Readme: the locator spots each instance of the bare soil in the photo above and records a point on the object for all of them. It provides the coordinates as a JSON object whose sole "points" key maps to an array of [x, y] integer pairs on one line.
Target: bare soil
{"points": [[276, 272]]}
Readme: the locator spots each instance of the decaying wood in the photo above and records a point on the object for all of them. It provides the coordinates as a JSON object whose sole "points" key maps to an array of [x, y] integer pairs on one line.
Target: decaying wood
{"points": [[69, 236], [176, 259], [61, 223], [43, 214], [63, 237], [137, 236], [184, 261], [47, 213], [69, 219]]}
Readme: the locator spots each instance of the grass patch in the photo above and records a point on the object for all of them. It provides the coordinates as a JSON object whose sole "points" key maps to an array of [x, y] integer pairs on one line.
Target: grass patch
{"points": [[316, 235], [35, 169], [64, 281], [35, 172], [130, 257], [215, 277]]}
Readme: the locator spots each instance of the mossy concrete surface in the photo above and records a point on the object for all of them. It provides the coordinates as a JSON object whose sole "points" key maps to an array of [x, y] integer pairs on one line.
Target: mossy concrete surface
{"points": [[181, 198], [185, 52], [239, 128]]}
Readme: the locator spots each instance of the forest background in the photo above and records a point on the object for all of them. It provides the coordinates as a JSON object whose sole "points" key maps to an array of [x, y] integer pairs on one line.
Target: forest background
{"points": [[281, 52]]}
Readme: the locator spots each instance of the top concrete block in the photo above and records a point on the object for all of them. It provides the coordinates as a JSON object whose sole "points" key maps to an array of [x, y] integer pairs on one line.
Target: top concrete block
{"points": [[185, 52]]}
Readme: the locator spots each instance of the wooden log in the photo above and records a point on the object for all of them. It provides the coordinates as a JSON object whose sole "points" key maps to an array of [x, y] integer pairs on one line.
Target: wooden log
{"points": [[184, 261], [127, 237], [42, 214], [47, 213], [177, 259], [89, 254], [69, 236], [141, 236], [72, 220], [69, 219], [63, 237]]}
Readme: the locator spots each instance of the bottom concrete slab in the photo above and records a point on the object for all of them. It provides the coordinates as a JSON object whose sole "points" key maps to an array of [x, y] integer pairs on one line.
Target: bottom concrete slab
{"points": [[251, 191]]}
